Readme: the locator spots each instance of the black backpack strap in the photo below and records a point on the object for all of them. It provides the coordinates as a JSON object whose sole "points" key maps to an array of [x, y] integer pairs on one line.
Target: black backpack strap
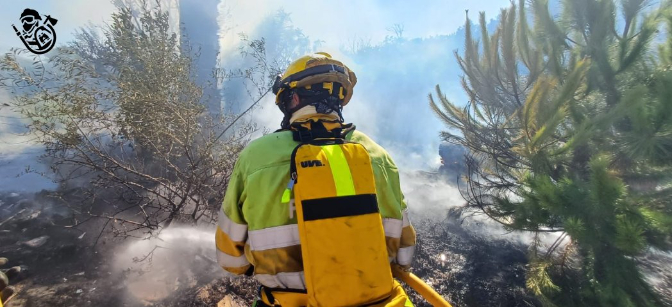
{"points": [[317, 130], [315, 134]]}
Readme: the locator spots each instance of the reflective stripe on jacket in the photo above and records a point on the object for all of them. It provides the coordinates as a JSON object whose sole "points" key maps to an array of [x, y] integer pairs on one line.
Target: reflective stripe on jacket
{"points": [[256, 228]]}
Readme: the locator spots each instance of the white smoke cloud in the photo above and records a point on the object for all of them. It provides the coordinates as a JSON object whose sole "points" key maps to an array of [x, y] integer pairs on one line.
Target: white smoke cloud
{"points": [[18, 152], [430, 198], [71, 15], [179, 257], [339, 24], [390, 101]]}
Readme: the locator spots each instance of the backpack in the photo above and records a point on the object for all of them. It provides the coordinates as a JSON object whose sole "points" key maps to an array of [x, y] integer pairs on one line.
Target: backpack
{"points": [[343, 245]]}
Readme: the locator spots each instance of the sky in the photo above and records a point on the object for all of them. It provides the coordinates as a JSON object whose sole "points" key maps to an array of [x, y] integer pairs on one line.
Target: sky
{"points": [[403, 124], [71, 14], [350, 20], [335, 24], [336, 27], [394, 79]]}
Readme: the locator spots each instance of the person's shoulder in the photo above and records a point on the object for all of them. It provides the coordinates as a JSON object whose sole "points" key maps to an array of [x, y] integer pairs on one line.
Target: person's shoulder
{"points": [[270, 148], [269, 141], [377, 152], [361, 138]]}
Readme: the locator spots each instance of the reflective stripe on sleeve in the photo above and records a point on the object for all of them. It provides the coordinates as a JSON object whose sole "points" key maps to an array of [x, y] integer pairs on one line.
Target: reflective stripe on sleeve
{"points": [[405, 255], [407, 236], [236, 232], [404, 218], [224, 243], [274, 237], [392, 227], [228, 261], [291, 280]]}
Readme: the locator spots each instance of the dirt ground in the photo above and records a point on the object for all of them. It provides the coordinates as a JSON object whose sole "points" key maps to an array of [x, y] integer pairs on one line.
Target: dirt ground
{"points": [[61, 267]]}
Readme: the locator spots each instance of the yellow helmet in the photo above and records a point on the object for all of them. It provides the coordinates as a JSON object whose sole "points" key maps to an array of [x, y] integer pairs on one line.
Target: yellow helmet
{"points": [[317, 68]]}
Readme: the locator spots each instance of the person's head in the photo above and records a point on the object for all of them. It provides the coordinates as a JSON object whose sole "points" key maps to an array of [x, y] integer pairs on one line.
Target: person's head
{"points": [[29, 19], [314, 80]]}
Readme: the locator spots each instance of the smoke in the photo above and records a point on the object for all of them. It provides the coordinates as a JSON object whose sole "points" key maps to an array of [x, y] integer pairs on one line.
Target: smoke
{"points": [[431, 199], [428, 193], [179, 258], [390, 105], [71, 15], [19, 167], [368, 20], [396, 70], [394, 79], [199, 23]]}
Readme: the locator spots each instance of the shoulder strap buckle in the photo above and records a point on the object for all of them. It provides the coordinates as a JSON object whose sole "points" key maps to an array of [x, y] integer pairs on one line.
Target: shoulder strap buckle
{"points": [[303, 135]]}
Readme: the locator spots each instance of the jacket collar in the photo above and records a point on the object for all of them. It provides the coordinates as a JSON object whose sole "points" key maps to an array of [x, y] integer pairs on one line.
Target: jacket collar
{"points": [[309, 112]]}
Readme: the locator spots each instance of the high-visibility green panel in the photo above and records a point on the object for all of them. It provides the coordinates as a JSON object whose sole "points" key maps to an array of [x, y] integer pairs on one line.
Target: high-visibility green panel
{"points": [[286, 196], [340, 170]]}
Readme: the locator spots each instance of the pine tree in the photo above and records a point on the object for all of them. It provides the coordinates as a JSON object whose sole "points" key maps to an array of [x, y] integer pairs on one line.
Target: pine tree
{"points": [[569, 129]]}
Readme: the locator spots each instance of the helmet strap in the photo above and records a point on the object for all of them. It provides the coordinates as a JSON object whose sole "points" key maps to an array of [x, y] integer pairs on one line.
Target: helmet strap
{"points": [[286, 112]]}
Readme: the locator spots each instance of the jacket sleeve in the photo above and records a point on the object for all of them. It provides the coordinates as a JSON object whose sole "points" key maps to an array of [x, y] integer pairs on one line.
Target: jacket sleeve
{"points": [[231, 233], [399, 232], [407, 242]]}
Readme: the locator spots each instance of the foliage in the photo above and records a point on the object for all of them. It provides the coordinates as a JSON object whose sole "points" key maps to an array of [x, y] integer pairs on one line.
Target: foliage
{"points": [[265, 53], [569, 130], [124, 126]]}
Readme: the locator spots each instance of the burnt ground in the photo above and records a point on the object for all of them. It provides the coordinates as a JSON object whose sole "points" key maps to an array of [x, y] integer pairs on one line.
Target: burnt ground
{"points": [[58, 268], [65, 269], [476, 270]]}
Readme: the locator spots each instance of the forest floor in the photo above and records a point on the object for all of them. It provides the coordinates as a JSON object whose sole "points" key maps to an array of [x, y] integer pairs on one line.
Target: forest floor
{"points": [[61, 267]]}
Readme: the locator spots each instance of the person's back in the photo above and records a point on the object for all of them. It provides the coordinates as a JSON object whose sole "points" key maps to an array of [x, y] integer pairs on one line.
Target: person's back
{"points": [[259, 233]]}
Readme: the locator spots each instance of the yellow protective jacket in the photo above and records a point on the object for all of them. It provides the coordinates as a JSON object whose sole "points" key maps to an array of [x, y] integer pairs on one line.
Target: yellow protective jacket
{"points": [[257, 231]]}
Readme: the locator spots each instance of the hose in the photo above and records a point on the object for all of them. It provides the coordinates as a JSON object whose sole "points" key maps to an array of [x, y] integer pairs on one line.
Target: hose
{"points": [[426, 291]]}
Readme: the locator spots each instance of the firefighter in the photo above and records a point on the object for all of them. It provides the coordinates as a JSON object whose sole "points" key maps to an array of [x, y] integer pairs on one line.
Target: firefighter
{"points": [[267, 231]]}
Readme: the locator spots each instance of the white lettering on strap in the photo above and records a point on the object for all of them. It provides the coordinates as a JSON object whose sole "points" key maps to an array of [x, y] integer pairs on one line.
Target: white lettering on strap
{"points": [[292, 208], [285, 280], [405, 255], [228, 261], [274, 237], [392, 227], [236, 232]]}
